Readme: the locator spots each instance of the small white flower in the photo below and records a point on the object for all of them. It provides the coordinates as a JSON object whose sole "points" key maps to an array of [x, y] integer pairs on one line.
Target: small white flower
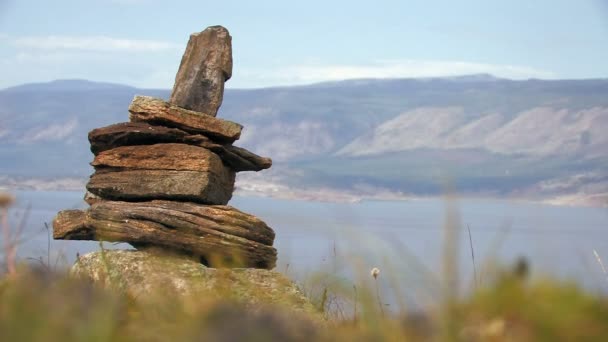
{"points": [[375, 272]]}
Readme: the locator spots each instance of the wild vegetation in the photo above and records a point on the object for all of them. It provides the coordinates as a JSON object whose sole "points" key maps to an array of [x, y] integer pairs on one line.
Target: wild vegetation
{"points": [[41, 303]]}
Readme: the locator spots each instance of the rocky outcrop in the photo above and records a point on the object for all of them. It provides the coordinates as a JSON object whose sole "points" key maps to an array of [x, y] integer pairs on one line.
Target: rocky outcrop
{"points": [[205, 66], [142, 273], [162, 181]]}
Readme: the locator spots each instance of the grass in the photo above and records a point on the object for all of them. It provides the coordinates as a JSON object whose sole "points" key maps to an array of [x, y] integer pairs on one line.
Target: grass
{"points": [[36, 305], [41, 304]]}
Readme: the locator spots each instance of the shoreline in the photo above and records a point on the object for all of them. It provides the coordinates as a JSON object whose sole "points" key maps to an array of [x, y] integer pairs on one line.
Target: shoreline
{"points": [[326, 194]]}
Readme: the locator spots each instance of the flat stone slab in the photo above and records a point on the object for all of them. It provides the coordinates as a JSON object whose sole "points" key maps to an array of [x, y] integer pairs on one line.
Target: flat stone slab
{"points": [[156, 111], [143, 185], [180, 157], [206, 65], [71, 221], [240, 159], [217, 235], [141, 133]]}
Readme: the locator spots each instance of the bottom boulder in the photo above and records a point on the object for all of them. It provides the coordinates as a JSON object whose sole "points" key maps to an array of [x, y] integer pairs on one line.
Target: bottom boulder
{"points": [[146, 273]]}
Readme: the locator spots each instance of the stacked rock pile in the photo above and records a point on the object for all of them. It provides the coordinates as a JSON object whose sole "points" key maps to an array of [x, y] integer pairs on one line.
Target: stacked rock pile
{"points": [[162, 180]]}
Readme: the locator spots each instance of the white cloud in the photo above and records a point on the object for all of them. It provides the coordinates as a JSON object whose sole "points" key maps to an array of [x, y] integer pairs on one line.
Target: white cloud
{"points": [[57, 58], [311, 73], [92, 43], [102, 58], [47, 65]]}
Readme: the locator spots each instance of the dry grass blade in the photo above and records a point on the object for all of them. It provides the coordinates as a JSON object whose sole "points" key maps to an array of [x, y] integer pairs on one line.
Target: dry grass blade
{"points": [[599, 261], [473, 257], [9, 246]]}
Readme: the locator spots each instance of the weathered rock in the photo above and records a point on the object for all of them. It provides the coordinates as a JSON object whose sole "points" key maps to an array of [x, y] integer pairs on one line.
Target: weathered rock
{"points": [[157, 111], [91, 199], [179, 157], [218, 235], [70, 222], [143, 274], [161, 180], [140, 133], [240, 159], [205, 66], [142, 185]]}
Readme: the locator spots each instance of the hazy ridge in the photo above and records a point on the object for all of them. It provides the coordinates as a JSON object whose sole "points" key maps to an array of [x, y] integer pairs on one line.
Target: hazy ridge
{"points": [[533, 139]]}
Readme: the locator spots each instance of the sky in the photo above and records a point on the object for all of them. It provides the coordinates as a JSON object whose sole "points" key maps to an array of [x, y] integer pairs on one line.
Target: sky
{"points": [[280, 42]]}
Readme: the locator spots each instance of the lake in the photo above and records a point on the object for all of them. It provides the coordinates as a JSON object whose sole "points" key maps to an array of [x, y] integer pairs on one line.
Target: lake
{"points": [[404, 239]]}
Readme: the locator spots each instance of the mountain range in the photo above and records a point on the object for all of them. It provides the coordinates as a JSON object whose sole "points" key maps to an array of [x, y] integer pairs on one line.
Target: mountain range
{"points": [[531, 139]]}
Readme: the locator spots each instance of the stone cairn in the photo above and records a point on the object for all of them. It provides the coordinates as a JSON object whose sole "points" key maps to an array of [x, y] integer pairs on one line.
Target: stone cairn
{"points": [[162, 180]]}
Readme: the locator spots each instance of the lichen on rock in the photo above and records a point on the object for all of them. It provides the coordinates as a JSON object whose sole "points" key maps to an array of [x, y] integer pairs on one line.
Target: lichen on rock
{"points": [[149, 273]]}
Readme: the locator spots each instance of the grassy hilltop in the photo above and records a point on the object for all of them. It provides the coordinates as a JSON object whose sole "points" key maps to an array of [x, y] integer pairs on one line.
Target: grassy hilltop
{"points": [[39, 302]]}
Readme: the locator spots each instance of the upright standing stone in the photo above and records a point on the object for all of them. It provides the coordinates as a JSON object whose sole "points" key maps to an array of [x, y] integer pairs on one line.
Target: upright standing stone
{"points": [[205, 66]]}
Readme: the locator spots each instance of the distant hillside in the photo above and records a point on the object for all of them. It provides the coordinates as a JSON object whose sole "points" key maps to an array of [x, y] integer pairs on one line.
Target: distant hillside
{"points": [[490, 136]]}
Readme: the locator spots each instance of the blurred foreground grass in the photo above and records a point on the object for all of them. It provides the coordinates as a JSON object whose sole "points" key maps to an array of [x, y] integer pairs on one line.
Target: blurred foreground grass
{"points": [[37, 305]]}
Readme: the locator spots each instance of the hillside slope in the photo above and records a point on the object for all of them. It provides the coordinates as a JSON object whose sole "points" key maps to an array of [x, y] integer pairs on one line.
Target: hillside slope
{"points": [[489, 136]]}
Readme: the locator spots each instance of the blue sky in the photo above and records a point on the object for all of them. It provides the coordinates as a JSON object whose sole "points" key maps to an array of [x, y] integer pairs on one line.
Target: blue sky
{"points": [[140, 42]]}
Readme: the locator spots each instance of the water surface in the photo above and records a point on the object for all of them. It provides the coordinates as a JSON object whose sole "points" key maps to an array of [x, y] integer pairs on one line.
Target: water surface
{"points": [[404, 239]]}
